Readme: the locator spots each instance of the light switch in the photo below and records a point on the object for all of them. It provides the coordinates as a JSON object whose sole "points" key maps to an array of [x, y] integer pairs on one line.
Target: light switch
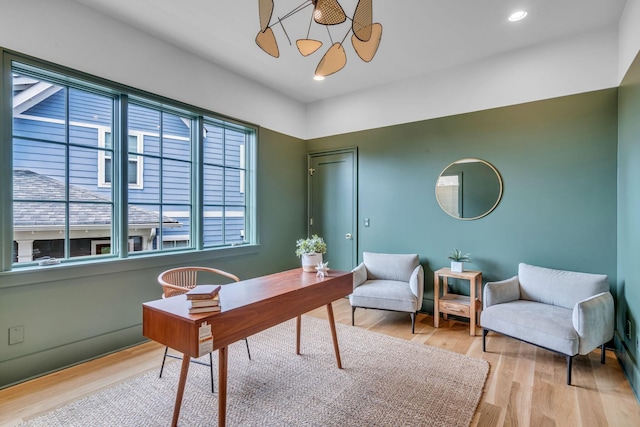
{"points": [[366, 222], [16, 335]]}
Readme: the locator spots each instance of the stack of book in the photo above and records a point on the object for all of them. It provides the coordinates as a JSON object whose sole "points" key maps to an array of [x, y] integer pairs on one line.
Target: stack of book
{"points": [[204, 299]]}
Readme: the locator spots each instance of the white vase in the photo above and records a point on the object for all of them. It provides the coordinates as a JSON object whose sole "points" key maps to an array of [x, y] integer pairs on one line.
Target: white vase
{"points": [[309, 262], [457, 267]]}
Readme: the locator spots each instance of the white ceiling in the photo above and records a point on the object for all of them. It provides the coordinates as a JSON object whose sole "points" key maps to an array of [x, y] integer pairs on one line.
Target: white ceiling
{"points": [[419, 36]]}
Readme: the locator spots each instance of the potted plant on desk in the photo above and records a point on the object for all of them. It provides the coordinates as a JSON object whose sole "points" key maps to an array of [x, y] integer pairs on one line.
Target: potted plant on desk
{"points": [[311, 251], [458, 259]]}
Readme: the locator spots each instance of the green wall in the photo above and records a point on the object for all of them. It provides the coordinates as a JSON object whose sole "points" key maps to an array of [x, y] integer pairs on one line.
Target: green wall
{"points": [[71, 314], [557, 159], [628, 289]]}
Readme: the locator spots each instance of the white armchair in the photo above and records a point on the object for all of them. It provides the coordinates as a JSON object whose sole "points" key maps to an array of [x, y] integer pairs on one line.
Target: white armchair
{"points": [[563, 311], [392, 282]]}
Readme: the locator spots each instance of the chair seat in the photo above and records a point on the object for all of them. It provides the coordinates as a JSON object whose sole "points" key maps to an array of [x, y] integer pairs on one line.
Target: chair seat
{"points": [[385, 295], [541, 324]]}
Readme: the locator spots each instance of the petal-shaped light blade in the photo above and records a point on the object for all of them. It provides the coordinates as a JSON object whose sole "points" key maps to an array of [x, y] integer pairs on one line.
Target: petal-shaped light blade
{"points": [[333, 61], [308, 46], [367, 50], [362, 20], [265, 9], [267, 42], [328, 12]]}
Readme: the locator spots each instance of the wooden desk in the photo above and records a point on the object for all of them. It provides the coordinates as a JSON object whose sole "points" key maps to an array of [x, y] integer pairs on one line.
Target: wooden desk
{"points": [[248, 307], [459, 305]]}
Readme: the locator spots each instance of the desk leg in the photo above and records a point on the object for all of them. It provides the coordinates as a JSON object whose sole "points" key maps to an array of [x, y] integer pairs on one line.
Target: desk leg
{"points": [[298, 327], [181, 383], [334, 335], [222, 386]]}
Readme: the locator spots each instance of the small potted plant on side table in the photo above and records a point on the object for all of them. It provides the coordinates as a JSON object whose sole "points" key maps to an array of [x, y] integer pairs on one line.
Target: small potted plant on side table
{"points": [[458, 259], [311, 251]]}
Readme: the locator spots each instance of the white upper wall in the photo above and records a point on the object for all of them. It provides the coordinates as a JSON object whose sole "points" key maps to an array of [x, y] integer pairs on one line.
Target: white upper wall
{"points": [[75, 36], [72, 35], [580, 64], [629, 37]]}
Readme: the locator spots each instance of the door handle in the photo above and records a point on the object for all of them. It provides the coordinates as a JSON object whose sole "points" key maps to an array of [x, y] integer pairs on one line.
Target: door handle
{"points": [[348, 236]]}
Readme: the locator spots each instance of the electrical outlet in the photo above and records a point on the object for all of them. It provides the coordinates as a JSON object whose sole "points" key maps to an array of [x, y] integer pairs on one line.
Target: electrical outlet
{"points": [[16, 335]]}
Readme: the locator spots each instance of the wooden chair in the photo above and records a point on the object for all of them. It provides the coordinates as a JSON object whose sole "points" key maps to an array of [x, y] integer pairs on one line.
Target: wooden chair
{"points": [[177, 281]]}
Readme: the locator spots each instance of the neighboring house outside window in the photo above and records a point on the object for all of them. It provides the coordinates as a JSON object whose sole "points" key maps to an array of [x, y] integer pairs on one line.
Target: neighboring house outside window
{"points": [[167, 156], [66, 173]]}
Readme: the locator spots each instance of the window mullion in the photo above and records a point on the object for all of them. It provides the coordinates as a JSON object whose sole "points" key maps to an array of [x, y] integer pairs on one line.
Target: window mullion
{"points": [[161, 185], [224, 185], [67, 195], [197, 195], [120, 177]]}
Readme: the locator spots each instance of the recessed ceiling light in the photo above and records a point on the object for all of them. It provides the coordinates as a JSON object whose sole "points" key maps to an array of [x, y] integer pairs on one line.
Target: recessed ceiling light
{"points": [[318, 78], [517, 16]]}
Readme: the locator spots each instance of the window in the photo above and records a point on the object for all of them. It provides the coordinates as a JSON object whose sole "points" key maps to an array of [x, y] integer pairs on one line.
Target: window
{"points": [[224, 175], [57, 205], [80, 189], [167, 154]]}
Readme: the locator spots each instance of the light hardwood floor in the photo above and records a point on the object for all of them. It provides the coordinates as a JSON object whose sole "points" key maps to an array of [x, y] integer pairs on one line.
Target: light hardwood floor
{"points": [[525, 387]]}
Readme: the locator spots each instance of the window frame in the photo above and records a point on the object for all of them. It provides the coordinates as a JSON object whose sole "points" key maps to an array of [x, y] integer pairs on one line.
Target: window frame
{"points": [[85, 81]]}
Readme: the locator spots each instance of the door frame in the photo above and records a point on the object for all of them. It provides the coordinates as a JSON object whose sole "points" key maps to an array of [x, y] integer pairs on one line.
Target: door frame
{"points": [[354, 215]]}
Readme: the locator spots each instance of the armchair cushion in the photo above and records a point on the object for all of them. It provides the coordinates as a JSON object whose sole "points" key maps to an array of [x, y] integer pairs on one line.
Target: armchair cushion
{"points": [[540, 324], [389, 266], [558, 287], [384, 295]]}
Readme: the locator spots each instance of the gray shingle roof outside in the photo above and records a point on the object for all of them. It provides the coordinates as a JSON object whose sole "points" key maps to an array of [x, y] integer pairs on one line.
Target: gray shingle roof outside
{"points": [[94, 209]]}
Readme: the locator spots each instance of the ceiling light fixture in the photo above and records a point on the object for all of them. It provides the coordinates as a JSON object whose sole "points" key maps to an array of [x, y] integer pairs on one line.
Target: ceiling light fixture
{"points": [[365, 38], [517, 16]]}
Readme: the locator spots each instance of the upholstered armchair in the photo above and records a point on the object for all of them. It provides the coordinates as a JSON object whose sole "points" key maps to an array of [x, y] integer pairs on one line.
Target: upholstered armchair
{"points": [[392, 282], [563, 311]]}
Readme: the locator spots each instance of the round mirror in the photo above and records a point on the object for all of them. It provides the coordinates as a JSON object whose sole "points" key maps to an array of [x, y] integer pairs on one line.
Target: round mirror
{"points": [[469, 189]]}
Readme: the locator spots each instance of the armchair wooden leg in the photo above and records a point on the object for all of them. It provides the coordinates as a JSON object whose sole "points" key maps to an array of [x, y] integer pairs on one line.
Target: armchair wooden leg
{"points": [[569, 363], [353, 313], [484, 339], [602, 354]]}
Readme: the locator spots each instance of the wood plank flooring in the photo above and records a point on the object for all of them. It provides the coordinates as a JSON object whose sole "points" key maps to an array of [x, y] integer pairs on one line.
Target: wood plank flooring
{"points": [[525, 387]]}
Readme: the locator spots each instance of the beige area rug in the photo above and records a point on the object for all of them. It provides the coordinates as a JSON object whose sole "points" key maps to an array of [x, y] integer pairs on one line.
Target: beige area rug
{"points": [[386, 381]]}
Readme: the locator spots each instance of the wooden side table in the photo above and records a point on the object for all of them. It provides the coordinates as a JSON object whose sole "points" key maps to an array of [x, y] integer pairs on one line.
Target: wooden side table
{"points": [[459, 305]]}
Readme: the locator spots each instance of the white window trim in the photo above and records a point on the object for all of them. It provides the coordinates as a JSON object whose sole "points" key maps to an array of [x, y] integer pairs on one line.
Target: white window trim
{"points": [[103, 156]]}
